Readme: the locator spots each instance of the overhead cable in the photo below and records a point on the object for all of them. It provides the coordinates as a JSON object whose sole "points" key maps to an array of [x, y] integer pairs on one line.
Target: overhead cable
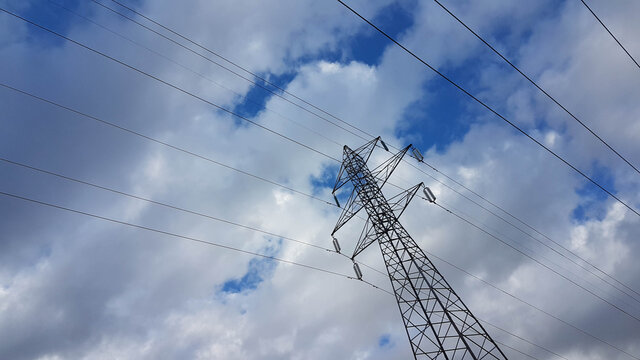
{"points": [[440, 317], [540, 263], [253, 82], [190, 238], [174, 207], [68, 178], [151, 201], [163, 143], [483, 104], [538, 86], [361, 130], [524, 339], [585, 268], [199, 74], [263, 79], [565, 322], [124, 64], [523, 244], [254, 254], [175, 87], [610, 33], [184, 237], [516, 218]]}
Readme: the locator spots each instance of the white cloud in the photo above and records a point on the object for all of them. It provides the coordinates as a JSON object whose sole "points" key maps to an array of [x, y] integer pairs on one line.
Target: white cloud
{"points": [[71, 287]]}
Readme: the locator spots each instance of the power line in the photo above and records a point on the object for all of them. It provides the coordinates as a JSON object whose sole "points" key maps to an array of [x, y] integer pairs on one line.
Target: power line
{"points": [[491, 109], [247, 98], [515, 218], [254, 254], [542, 256], [174, 207], [170, 233], [141, 135], [202, 241], [525, 340], [163, 143], [189, 238], [234, 72], [540, 263], [264, 80], [219, 220], [507, 332], [210, 243], [239, 67], [519, 351], [525, 232], [173, 147], [538, 86], [432, 167], [497, 232], [549, 247], [151, 201], [255, 83], [230, 112], [170, 85], [167, 145], [180, 209], [193, 239], [235, 64], [537, 240], [493, 204], [209, 217], [610, 33], [104, 55], [531, 305]]}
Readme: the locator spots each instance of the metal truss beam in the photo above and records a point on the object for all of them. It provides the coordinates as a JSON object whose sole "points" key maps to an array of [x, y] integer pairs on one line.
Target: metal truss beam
{"points": [[438, 324]]}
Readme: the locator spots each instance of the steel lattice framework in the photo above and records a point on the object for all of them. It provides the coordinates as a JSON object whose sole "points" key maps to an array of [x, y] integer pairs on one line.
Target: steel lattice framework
{"points": [[438, 323]]}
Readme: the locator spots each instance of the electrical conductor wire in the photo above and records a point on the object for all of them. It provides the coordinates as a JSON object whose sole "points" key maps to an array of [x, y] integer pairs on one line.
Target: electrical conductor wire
{"points": [[113, 59], [230, 112], [476, 277], [245, 97], [540, 263], [483, 104], [306, 102], [241, 68], [538, 86], [177, 235], [610, 33], [227, 69]]}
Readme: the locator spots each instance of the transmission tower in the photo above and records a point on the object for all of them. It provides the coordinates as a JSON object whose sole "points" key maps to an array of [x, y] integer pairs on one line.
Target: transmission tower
{"points": [[439, 325]]}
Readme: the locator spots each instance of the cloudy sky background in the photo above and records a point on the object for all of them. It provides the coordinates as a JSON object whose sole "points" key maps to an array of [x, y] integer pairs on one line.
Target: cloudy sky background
{"points": [[78, 287]]}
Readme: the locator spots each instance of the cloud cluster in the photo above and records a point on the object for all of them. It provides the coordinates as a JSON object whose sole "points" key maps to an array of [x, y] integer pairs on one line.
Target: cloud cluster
{"points": [[79, 287]]}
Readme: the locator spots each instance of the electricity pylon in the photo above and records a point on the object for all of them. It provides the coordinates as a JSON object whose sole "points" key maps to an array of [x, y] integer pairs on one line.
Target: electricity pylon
{"points": [[439, 325]]}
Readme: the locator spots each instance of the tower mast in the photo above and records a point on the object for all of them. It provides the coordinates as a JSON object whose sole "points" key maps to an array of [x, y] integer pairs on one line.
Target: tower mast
{"points": [[439, 325]]}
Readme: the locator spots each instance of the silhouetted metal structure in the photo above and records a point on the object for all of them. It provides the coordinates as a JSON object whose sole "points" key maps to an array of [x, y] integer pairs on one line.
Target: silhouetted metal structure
{"points": [[438, 323]]}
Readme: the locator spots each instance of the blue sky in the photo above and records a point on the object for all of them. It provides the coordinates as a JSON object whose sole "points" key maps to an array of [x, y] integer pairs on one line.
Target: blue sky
{"points": [[73, 287]]}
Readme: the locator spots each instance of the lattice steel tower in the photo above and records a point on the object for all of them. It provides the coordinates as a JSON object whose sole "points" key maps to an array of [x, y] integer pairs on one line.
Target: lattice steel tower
{"points": [[438, 323]]}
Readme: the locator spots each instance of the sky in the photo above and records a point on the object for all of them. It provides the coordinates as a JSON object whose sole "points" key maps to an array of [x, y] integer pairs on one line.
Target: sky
{"points": [[156, 120]]}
